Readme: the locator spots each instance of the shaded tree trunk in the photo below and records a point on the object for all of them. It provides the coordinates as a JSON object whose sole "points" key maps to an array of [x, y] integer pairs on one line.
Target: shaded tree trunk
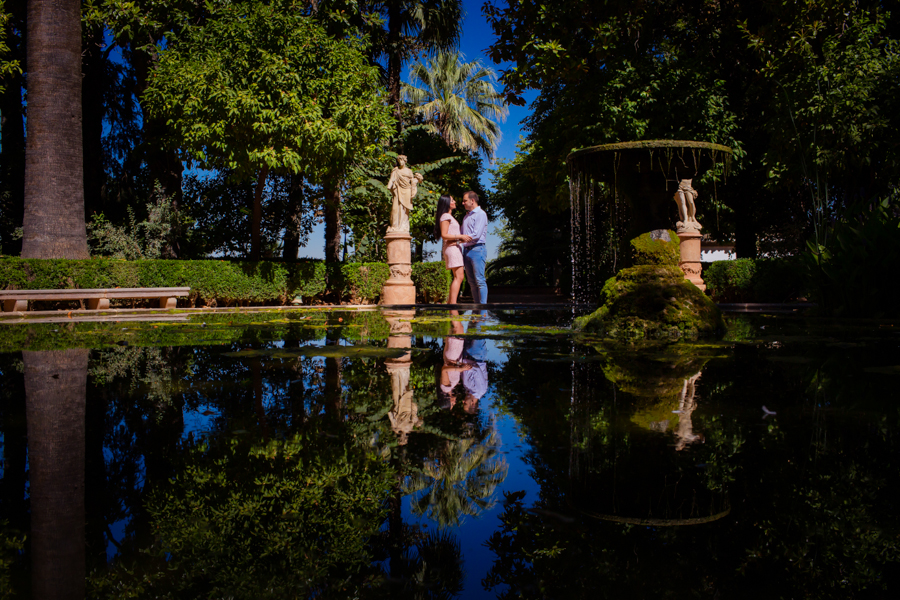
{"points": [[332, 220], [53, 222], [55, 390], [256, 218], [395, 63], [333, 372], [293, 215]]}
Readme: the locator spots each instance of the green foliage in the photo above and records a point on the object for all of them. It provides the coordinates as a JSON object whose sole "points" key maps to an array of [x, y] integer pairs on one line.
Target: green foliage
{"points": [[432, 281], [853, 273], [135, 241], [259, 86], [652, 301], [222, 282], [7, 67], [11, 544], [650, 251], [755, 280], [535, 240], [363, 281]]}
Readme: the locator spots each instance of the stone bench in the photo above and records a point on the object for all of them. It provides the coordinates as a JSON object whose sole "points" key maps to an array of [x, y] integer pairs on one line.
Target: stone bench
{"points": [[97, 299]]}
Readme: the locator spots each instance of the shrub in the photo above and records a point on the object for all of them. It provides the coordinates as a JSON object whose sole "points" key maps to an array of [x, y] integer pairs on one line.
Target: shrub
{"points": [[755, 280], [432, 281], [362, 282], [853, 271], [223, 282]]}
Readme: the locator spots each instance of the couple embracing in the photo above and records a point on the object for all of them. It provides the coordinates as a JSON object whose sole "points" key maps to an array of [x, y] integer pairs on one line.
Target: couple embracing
{"points": [[463, 250]]}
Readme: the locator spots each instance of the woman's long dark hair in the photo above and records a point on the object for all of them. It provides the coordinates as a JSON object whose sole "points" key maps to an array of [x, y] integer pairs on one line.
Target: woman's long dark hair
{"points": [[442, 209]]}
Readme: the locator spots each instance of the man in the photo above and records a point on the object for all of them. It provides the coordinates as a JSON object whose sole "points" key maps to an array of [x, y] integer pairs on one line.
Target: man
{"points": [[475, 252], [475, 377]]}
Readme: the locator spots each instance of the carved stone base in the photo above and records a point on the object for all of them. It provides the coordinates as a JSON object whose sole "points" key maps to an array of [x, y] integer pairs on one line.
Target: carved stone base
{"points": [[399, 288], [690, 258]]}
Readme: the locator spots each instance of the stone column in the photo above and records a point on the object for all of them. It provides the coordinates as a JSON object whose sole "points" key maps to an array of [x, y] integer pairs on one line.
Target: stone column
{"points": [[688, 230], [404, 415], [690, 257], [399, 288]]}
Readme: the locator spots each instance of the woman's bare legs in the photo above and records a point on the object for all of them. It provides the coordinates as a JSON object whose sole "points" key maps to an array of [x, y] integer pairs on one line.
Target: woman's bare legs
{"points": [[455, 284]]}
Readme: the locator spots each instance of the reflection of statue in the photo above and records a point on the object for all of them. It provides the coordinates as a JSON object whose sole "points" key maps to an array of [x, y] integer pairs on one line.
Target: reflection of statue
{"points": [[687, 210], [404, 415], [685, 432], [404, 186]]}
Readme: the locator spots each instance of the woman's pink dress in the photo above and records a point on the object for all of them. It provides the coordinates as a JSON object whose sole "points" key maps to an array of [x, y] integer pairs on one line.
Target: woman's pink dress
{"points": [[451, 252]]}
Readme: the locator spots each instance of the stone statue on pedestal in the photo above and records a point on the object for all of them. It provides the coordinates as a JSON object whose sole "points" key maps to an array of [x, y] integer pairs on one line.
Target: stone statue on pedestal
{"points": [[403, 185], [687, 210]]}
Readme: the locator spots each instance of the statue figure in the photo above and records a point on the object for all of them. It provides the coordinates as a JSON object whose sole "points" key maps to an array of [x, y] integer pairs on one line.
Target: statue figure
{"points": [[404, 415], [687, 210], [403, 185]]}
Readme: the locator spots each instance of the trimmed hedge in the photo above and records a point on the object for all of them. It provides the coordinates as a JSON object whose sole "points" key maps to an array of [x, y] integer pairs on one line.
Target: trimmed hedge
{"points": [[755, 280], [224, 282]]}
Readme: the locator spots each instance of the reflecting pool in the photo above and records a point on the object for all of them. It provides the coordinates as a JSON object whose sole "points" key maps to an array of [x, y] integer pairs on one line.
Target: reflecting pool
{"points": [[432, 454]]}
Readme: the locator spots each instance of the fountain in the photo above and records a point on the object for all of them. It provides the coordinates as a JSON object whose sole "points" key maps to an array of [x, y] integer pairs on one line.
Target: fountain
{"points": [[633, 189]]}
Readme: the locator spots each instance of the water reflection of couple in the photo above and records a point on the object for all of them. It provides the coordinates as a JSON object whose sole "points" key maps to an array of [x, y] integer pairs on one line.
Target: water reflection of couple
{"points": [[464, 361]]}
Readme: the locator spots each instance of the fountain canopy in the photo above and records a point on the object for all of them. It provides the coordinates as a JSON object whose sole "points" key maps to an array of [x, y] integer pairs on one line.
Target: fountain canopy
{"points": [[674, 160]]}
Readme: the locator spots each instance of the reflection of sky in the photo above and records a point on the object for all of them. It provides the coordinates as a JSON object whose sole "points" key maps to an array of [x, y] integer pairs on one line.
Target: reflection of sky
{"points": [[473, 534]]}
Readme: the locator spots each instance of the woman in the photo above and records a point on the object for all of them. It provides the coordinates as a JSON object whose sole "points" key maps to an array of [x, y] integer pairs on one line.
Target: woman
{"points": [[447, 229], [453, 365]]}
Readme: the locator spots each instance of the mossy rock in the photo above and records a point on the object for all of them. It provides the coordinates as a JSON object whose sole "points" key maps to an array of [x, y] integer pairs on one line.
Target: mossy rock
{"points": [[652, 301], [657, 247]]}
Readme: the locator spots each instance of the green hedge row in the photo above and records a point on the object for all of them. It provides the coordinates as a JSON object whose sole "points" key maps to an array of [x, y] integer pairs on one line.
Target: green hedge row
{"points": [[223, 282], [755, 280]]}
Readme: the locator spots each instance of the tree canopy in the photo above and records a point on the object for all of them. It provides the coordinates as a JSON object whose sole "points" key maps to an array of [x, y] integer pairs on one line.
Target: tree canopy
{"points": [[260, 87]]}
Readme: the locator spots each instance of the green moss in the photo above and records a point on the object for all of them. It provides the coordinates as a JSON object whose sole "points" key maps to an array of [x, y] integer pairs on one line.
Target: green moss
{"points": [[652, 301], [650, 249]]}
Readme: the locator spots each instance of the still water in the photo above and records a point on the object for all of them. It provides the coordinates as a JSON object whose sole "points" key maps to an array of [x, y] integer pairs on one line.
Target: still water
{"points": [[436, 455]]}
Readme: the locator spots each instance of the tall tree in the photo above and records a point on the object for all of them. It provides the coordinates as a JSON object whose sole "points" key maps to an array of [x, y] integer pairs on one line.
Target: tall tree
{"points": [[458, 101], [260, 87], [412, 27], [53, 223]]}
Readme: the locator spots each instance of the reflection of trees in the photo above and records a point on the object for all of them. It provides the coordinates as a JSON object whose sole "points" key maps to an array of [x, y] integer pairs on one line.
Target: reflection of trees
{"points": [[811, 491], [55, 385], [459, 480], [263, 520]]}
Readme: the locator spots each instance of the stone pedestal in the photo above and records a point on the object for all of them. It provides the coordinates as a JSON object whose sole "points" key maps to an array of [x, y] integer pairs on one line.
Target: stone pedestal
{"points": [[690, 257], [399, 288], [404, 414]]}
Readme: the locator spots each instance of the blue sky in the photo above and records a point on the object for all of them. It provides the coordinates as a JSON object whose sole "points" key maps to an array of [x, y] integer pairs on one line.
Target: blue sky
{"points": [[477, 37]]}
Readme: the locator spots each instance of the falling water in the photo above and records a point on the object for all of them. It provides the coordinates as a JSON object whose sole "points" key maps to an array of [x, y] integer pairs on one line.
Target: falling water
{"points": [[598, 223]]}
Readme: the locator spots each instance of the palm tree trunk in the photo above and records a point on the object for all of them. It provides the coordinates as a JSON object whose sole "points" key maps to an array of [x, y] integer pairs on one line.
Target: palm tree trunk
{"points": [[55, 393], [256, 221], [54, 184], [395, 62]]}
